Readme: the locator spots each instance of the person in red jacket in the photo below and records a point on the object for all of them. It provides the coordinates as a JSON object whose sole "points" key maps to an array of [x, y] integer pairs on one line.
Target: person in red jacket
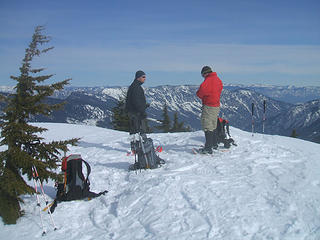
{"points": [[209, 92]]}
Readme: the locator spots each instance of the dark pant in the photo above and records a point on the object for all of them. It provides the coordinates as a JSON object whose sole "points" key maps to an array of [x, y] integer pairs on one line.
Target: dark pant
{"points": [[211, 139], [137, 123]]}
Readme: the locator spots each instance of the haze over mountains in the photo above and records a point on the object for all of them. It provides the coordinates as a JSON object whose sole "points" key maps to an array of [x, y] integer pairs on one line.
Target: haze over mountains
{"points": [[288, 108]]}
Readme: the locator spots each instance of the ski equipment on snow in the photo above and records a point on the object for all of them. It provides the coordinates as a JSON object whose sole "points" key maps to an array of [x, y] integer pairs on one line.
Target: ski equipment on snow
{"points": [[197, 151], [131, 152], [201, 151], [224, 133], [264, 115], [76, 185], [159, 149], [145, 154], [38, 183]]}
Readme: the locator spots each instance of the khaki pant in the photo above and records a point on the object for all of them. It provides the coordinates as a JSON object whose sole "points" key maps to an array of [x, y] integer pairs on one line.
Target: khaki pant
{"points": [[209, 118]]}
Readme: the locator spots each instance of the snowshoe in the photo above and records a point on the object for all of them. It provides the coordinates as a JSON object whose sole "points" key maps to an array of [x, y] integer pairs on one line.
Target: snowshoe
{"points": [[202, 151], [134, 166]]}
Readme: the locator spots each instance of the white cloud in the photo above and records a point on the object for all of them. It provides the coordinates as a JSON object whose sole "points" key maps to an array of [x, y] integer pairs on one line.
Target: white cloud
{"points": [[245, 60], [227, 58]]}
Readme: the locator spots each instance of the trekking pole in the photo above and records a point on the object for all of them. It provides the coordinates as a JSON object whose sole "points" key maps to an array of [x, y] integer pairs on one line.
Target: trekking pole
{"points": [[135, 152], [252, 120], [44, 197], [36, 179], [264, 115], [38, 202], [144, 151]]}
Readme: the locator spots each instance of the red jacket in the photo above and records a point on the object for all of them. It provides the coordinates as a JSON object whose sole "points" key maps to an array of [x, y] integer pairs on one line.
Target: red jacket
{"points": [[210, 90]]}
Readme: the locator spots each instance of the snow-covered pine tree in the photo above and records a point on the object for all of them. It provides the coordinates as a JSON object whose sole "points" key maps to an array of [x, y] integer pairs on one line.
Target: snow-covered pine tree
{"points": [[17, 135]]}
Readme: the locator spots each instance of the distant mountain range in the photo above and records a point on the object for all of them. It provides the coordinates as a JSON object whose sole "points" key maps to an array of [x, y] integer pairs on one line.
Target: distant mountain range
{"points": [[93, 106], [290, 94]]}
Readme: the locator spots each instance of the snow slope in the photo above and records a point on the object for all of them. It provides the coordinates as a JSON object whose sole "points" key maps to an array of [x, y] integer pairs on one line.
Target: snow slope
{"points": [[266, 188]]}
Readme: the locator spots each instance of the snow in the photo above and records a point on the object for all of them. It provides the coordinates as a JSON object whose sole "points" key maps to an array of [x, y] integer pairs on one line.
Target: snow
{"points": [[265, 188], [117, 93]]}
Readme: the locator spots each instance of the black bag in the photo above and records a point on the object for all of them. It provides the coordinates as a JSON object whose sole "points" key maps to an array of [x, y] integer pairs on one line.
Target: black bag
{"points": [[147, 157], [76, 185], [223, 131]]}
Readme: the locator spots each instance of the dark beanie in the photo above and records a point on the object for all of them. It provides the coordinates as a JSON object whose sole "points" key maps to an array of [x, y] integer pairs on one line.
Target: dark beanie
{"points": [[139, 74], [205, 70]]}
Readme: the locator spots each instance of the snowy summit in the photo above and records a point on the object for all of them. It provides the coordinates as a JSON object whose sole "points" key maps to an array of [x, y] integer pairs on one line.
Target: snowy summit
{"points": [[267, 187]]}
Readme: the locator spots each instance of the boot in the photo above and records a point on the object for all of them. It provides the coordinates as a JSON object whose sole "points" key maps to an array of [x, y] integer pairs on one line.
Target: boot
{"points": [[215, 139], [208, 145]]}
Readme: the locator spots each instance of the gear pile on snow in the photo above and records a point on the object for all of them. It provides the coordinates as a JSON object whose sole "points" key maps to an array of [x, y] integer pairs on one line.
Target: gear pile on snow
{"points": [[143, 148], [224, 133], [76, 185]]}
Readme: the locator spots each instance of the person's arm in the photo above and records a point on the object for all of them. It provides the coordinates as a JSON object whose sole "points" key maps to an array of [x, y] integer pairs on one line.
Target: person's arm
{"points": [[140, 101]]}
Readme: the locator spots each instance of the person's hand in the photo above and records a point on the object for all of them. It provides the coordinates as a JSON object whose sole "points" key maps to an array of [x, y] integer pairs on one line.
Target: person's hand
{"points": [[144, 115]]}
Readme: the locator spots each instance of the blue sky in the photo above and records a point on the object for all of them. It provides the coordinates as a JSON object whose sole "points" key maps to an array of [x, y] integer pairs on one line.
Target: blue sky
{"points": [[103, 43]]}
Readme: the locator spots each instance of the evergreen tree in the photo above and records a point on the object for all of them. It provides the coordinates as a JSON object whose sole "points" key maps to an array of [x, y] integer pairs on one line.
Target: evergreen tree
{"points": [[178, 126], [149, 129], [120, 118], [294, 133], [19, 136], [165, 122]]}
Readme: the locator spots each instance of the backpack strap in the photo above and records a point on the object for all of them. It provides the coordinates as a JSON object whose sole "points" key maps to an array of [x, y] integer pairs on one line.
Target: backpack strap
{"points": [[227, 127], [88, 170], [64, 167]]}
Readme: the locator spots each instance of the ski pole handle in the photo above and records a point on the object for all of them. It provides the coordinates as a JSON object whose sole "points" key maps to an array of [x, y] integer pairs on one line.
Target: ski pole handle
{"points": [[252, 120], [252, 109]]}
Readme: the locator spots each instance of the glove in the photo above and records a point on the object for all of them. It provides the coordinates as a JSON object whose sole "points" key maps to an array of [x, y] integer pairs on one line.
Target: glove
{"points": [[143, 115]]}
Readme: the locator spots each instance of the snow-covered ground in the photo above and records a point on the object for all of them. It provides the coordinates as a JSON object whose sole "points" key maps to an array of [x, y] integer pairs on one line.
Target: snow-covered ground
{"points": [[268, 187]]}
